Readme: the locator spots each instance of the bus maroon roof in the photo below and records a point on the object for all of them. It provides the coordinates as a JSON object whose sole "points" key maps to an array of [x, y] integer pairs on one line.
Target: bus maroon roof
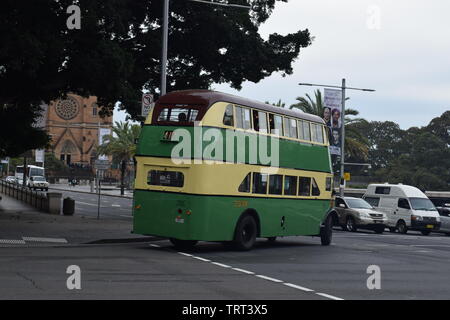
{"points": [[206, 98]]}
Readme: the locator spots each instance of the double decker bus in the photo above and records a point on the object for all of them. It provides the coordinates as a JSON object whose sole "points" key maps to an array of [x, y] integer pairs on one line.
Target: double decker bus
{"points": [[230, 192]]}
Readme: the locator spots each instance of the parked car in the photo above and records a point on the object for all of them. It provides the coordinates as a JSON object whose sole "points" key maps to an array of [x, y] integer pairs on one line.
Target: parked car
{"points": [[10, 179], [38, 182], [356, 213], [406, 207], [444, 213]]}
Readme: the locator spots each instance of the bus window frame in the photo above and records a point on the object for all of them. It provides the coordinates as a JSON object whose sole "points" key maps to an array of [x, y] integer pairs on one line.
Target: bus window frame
{"points": [[160, 107]]}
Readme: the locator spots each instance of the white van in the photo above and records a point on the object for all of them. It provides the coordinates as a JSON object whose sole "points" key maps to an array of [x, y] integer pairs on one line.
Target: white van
{"points": [[406, 207]]}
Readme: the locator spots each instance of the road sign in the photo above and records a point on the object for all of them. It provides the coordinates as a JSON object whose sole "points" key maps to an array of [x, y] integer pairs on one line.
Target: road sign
{"points": [[102, 164], [6, 160], [147, 104], [347, 176]]}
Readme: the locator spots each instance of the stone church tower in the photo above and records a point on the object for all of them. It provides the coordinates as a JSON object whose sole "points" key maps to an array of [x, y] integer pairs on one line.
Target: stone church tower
{"points": [[74, 125]]}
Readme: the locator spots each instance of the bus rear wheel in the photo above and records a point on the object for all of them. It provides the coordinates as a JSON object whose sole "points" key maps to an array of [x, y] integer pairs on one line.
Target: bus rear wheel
{"points": [[245, 234], [326, 231], [183, 244]]}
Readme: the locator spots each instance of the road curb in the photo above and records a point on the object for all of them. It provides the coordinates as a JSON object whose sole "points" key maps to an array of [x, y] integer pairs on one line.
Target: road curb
{"points": [[125, 240], [95, 193]]}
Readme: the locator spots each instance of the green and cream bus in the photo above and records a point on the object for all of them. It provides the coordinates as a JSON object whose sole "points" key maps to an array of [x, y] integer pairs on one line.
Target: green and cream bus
{"points": [[269, 176]]}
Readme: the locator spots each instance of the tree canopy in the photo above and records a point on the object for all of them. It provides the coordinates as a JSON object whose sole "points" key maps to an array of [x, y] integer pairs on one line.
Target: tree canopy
{"points": [[116, 52]]}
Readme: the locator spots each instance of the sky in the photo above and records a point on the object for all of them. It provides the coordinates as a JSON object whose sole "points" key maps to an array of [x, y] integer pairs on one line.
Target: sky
{"points": [[400, 48]]}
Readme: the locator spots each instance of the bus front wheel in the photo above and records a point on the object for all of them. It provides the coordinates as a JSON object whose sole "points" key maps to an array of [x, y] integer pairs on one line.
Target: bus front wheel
{"points": [[245, 234], [183, 244]]}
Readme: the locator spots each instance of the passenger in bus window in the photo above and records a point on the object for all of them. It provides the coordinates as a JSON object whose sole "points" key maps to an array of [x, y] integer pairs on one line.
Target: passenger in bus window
{"points": [[182, 117]]}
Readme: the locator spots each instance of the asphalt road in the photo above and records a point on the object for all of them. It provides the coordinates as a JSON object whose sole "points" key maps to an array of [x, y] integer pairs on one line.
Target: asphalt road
{"points": [[412, 267], [86, 204]]}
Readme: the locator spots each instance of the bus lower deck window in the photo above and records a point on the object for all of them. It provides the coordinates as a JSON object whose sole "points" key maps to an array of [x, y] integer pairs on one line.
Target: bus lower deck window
{"points": [[275, 184], [259, 183], [304, 186], [165, 178], [315, 188], [245, 185], [276, 124], [290, 186]]}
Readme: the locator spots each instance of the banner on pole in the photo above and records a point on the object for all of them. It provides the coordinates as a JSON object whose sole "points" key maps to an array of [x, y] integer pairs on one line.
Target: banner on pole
{"points": [[102, 132], [332, 117], [39, 155]]}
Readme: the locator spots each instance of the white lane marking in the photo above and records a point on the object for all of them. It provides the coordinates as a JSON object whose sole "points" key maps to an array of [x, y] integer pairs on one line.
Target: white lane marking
{"points": [[186, 254], [242, 270], [115, 205], [422, 251], [262, 276], [220, 264], [430, 245], [201, 259], [328, 296], [87, 204], [268, 278], [51, 240], [298, 287], [154, 245], [11, 241]]}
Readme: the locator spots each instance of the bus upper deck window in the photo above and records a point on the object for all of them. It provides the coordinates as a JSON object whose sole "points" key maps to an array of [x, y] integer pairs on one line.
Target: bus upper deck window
{"points": [[178, 115], [260, 121], [243, 120], [276, 124], [293, 128], [317, 133], [228, 118], [306, 131]]}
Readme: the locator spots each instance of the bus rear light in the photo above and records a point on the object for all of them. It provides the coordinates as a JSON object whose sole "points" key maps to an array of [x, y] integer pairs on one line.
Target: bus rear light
{"points": [[137, 207], [180, 211], [188, 212]]}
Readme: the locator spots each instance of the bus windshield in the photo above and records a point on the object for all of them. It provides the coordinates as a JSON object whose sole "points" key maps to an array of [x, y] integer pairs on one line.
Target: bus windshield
{"points": [[176, 114]]}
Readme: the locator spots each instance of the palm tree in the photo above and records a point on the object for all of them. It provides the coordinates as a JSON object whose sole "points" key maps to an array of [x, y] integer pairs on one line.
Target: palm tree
{"points": [[356, 146], [121, 146], [279, 104]]}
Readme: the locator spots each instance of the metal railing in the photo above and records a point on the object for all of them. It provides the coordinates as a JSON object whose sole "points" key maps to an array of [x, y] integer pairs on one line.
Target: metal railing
{"points": [[36, 199]]}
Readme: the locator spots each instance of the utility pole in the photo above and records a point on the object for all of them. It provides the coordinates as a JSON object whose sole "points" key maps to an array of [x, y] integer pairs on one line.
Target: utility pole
{"points": [[165, 40], [343, 88]]}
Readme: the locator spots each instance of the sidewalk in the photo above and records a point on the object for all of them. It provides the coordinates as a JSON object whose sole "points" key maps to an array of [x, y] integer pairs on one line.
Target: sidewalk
{"points": [[105, 190], [22, 224]]}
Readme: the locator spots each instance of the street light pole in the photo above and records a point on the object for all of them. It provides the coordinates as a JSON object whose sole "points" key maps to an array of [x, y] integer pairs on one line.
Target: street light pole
{"points": [[165, 40], [343, 88], [342, 180]]}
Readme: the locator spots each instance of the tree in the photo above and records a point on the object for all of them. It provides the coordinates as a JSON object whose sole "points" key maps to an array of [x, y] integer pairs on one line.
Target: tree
{"points": [[116, 53], [121, 146]]}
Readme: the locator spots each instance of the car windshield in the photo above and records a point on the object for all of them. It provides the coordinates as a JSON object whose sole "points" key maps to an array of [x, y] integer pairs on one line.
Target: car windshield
{"points": [[422, 204], [358, 204], [38, 179]]}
